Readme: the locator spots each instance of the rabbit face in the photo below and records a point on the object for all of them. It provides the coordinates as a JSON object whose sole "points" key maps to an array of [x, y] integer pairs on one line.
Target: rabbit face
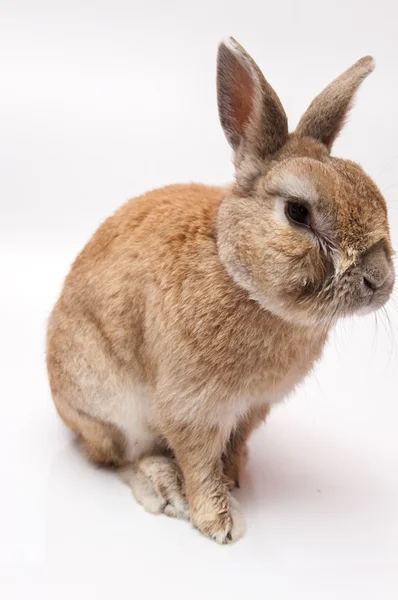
{"points": [[310, 242]]}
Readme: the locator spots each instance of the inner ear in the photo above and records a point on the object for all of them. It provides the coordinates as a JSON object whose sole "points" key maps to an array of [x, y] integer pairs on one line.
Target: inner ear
{"points": [[236, 97], [244, 97], [250, 111]]}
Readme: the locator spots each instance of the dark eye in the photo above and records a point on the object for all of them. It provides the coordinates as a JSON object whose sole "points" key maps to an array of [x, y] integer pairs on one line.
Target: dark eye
{"points": [[298, 213]]}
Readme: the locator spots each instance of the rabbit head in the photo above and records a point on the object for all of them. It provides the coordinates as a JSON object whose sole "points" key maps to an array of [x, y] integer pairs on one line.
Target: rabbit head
{"points": [[306, 234]]}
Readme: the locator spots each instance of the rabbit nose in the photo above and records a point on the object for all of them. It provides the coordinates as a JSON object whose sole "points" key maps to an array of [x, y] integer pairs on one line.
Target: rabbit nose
{"points": [[376, 268]]}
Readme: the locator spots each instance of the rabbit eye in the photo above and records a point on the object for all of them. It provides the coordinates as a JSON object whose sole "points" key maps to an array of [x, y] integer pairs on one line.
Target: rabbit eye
{"points": [[298, 213]]}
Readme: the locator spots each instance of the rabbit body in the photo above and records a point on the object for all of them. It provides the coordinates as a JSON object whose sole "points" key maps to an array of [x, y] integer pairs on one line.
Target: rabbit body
{"points": [[151, 334], [193, 309]]}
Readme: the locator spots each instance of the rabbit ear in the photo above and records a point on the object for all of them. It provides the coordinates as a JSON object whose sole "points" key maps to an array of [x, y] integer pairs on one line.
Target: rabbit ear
{"points": [[251, 113], [327, 113]]}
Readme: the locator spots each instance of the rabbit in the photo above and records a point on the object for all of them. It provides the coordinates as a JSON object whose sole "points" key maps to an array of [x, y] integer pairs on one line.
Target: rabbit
{"points": [[194, 309]]}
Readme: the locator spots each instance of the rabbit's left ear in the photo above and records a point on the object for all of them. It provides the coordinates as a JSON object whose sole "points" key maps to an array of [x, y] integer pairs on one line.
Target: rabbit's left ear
{"points": [[327, 113], [251, 113]]}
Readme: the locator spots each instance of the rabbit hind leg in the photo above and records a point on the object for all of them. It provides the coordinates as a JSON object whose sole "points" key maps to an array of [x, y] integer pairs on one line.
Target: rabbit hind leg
{"points": [[103, 442]]}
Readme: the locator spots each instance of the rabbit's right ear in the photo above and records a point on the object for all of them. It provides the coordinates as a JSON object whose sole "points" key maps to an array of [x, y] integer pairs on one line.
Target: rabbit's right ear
{"points": [[251, 113]]}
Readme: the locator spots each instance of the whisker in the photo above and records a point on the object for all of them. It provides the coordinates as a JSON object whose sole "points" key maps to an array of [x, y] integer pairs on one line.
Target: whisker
{"points": [[375, 336], [393, 303], [390, 332], [390, 187], [389, 163]]}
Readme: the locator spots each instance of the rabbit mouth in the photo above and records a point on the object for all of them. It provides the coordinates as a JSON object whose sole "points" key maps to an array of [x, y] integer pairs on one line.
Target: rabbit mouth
{"points": [[371, 289], [350, 294], [362, 288], [377, 298]]}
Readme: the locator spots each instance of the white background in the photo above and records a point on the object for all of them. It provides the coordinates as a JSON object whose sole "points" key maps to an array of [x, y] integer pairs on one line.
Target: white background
{"points": [[100, 101]]}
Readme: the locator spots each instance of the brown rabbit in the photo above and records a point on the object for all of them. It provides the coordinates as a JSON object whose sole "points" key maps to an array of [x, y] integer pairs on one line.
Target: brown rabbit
{"points": [[194, 309]]}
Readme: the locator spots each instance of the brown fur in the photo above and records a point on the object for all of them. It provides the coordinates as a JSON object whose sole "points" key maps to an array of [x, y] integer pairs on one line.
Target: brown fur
{"points": [[328, 111], [193, 308]]}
